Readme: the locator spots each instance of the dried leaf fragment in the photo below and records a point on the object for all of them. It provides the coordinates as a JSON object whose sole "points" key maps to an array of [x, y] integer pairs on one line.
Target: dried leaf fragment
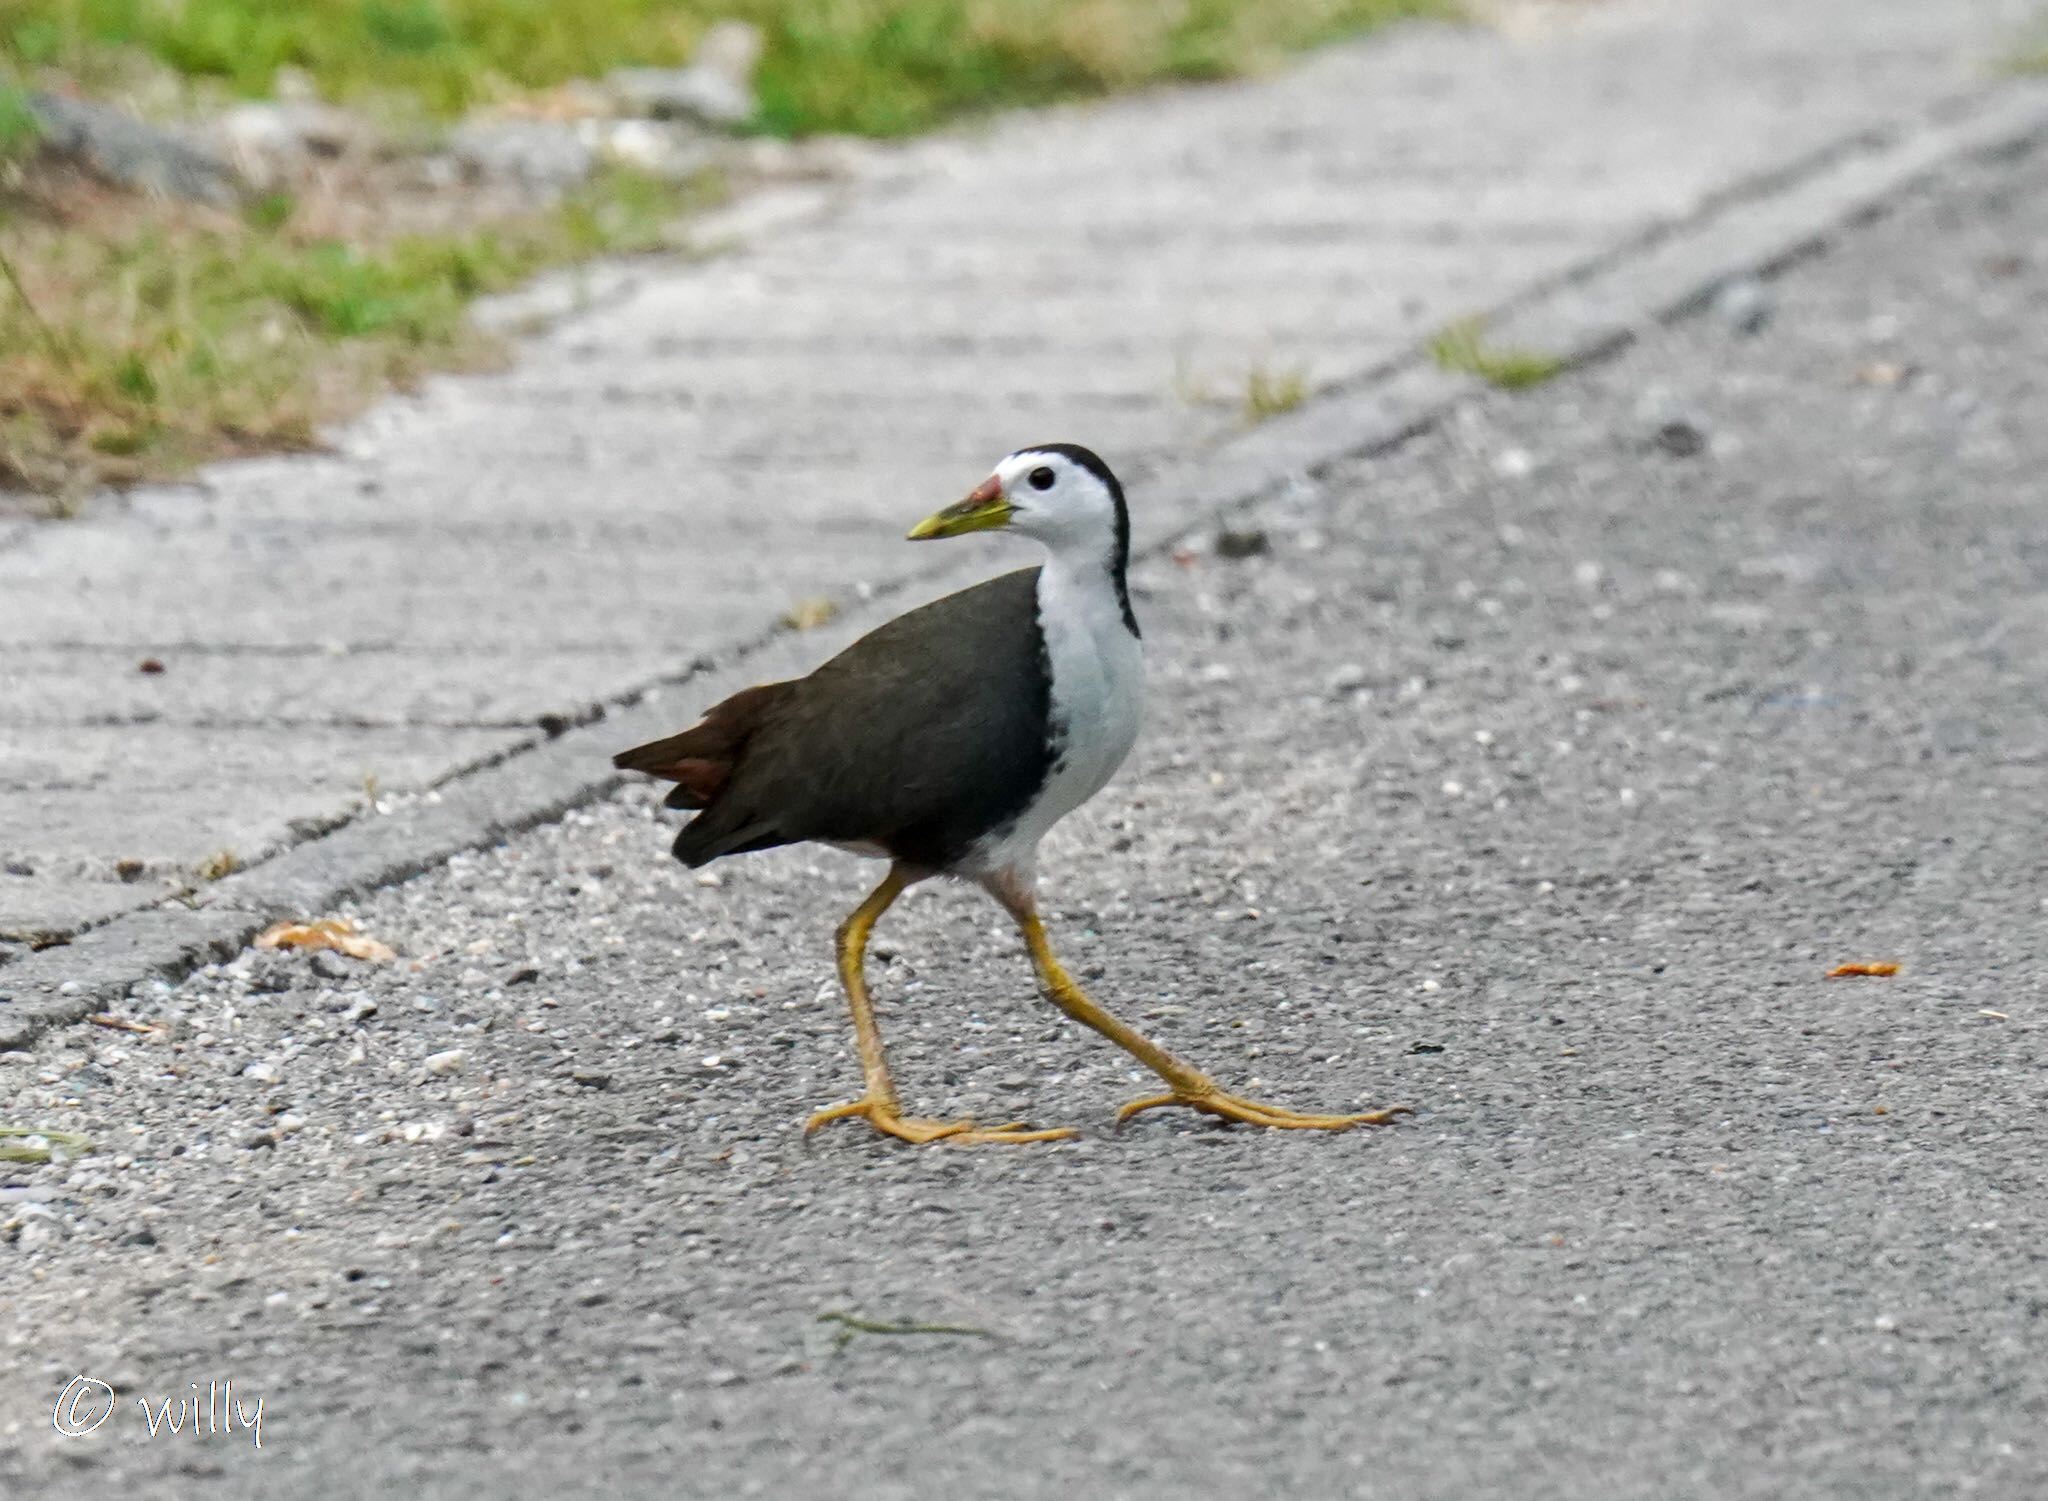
{"points": [[219, 865], [1874, 971], [809, 614], [123, 1024], [336, 933]]}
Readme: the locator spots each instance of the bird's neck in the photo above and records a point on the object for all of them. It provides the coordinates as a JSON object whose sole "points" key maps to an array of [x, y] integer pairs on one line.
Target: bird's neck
{"points": [[1078, 575]]}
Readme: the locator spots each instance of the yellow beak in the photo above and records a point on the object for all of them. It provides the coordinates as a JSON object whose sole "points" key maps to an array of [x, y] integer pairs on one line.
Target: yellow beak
{"points": [[984, 510]]}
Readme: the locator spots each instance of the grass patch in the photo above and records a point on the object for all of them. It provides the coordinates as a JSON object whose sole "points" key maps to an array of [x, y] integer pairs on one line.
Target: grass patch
{"points": [[871, 67], [2032, 58], [2029, 48], [33, 1144], [1268, 393], [18, 129], [1462, 347], [140, 350]]}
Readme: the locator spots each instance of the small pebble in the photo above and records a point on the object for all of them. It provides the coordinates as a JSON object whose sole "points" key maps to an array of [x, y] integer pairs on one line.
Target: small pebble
{"points": [[449, 1062], [1247, 542], [1746, 305], [1680, 438]]}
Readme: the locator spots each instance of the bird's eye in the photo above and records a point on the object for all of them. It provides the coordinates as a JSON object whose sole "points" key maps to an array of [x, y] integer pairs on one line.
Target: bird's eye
{"points": [[1041, 478]]}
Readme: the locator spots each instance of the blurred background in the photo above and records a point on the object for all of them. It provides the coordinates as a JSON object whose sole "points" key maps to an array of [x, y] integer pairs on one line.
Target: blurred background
{"points": [[229, 221]]}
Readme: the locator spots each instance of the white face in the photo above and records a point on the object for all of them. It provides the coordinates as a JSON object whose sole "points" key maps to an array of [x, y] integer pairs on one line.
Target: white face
{"points": [[1057, 501]]}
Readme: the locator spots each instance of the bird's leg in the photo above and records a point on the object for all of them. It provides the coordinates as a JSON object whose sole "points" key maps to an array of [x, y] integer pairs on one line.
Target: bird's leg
{"points": [[1188, 1085], [878, 1103]]}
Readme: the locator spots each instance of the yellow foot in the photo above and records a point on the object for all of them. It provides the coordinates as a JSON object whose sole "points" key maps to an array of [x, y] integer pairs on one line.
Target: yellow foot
{"points": [[881, 1114], [1216, 1102]]}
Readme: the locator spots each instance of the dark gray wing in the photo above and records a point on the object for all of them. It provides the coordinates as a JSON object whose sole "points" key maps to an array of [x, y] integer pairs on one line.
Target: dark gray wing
{"points": [[920, 737]]}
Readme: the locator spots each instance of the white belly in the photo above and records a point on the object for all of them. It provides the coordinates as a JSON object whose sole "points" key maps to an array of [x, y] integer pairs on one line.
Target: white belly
{"points": [[1098, 702]]}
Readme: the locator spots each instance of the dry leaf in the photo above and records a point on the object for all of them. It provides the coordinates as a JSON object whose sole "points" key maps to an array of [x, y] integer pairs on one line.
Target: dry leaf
{"points": [[219, 865], [809, 614], [336, 933], [122, 1024], [1876, 971]]}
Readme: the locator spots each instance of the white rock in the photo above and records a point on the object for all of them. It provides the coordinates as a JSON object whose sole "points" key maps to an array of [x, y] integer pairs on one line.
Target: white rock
{"points": [[691, 93], [732, 49], [539, 153], [653, 146], [450, 1062], [273, 129], [717, 87]]}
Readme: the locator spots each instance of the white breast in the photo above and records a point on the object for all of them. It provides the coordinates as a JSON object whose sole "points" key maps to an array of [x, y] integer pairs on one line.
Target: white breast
{"points": [[1098, 702]]}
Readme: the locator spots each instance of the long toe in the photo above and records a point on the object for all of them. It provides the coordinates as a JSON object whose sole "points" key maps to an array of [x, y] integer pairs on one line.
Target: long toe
{"points": [[1015, 1132], [1232, 1107], [881, 1114]]}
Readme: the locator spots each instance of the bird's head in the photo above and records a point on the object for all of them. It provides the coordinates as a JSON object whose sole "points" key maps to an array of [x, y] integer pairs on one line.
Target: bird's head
{"points": [[1057, 493]]}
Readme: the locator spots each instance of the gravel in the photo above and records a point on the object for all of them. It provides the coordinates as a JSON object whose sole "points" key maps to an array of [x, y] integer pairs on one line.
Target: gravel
{"points": [[1541, 797]]}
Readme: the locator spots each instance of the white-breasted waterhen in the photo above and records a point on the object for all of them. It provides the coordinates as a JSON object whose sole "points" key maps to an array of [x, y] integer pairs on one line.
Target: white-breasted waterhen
{"points": [[947, 742]]}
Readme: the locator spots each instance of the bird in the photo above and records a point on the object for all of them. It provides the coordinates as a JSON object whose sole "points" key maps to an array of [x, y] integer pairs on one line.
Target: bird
{"points": [[947, 742]]}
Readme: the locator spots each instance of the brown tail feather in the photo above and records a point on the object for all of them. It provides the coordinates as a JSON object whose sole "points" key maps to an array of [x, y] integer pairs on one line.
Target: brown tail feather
{"points": [[701, 758]]}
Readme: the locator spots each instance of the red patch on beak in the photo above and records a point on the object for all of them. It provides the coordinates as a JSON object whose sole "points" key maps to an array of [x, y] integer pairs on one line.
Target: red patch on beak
{"points": [[987, 492]]}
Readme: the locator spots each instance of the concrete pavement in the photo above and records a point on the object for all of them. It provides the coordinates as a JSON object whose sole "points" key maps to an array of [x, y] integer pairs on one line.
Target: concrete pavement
{"points": [[1536, 775], [658, 479]]}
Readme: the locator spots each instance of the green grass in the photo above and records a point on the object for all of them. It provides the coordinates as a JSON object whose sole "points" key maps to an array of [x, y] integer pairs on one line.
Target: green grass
{"points": [[2029, 59], [1268, 393], [140, 354], [1462, 347], [18, 129], [35, 1144], [871, 67], [2029, 47]]}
